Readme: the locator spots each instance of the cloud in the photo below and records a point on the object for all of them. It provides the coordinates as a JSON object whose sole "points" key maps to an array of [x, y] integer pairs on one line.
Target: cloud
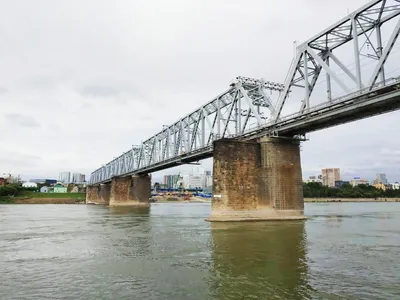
{"points": [[22, 120], [105, 76], [100, 91]]}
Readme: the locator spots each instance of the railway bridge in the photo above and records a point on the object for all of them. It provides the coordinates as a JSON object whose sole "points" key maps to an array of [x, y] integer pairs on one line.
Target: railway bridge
{"points": [[254, 128]]}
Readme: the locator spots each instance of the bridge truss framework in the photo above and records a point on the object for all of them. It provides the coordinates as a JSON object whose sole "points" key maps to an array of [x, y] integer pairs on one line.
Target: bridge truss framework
{"points": [[247, 109]]}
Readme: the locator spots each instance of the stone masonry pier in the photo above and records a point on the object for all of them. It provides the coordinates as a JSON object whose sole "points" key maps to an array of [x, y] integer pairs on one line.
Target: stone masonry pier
{"points": [[257, 180], [122, 191], [132, 190], [98, 194]]}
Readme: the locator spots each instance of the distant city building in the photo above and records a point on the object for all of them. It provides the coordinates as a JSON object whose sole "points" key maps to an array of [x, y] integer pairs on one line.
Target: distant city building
{"points": [[197, 171], [380, 186], [65, 177], [29, 185], [357, 181], [317, 179], [208, 180], [77, 178], [381, 178], [329, 176], [44, 181], [82, 178], [170, 181], [341, 183], [195, 181], [58, 188], [395, 186], [197, 178], [37, 180], [3, 181]]}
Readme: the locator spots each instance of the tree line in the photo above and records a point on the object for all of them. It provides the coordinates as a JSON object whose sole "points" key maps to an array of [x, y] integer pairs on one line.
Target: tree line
{"points": [[13, 189], [317, 190], [310, 190]]}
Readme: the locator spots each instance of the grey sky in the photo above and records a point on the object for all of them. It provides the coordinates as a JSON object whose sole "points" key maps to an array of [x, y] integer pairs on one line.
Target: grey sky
{"points": [[81, 81]]}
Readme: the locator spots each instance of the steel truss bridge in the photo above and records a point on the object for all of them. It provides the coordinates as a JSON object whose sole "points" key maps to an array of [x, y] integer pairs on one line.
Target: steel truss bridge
{"points": [[252, 108]]}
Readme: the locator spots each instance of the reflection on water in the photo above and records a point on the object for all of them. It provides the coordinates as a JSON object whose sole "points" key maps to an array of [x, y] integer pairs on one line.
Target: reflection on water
{"points": [[256, 260], [168, 251], [132, 210]]}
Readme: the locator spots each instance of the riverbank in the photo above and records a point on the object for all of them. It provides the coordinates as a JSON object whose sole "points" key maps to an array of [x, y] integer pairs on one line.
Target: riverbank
{"points": [[307, 200], [80, 199], [45, 198]]}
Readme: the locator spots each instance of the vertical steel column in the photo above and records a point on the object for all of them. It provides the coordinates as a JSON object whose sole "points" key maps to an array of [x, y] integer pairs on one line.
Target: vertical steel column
{"points": [[380, 50], [218, 118], [188, 134], [167, 143], [306, 85], [203, 130], [175, 148], [236, 115], [160, 152], [328, 82], [356, 52], [239, 111]]}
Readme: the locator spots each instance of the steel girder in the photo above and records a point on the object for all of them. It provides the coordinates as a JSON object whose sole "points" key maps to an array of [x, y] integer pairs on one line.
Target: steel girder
{"points": [[315, 55], [246, 109]]}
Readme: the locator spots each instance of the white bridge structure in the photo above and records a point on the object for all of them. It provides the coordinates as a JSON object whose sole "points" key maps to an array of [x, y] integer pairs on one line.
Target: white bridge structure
{"points": [[254, 108]]}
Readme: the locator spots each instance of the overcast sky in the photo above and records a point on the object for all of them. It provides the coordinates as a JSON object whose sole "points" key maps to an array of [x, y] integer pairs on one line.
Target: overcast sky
{"points": [[81, 81]]}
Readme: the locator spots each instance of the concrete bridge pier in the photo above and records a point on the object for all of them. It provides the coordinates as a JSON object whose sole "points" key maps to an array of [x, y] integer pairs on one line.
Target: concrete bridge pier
{"points": [[92, 194], [130, 191], [105, 192], [99, 194], [257, 180]]}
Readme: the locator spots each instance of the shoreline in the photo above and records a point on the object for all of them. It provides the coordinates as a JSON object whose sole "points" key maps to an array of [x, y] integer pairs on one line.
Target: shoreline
{"points": [[328, 200], [306, 200], [46, 201]]}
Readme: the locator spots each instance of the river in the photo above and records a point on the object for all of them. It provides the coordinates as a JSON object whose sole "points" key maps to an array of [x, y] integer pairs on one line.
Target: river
{"points": [[344, 251]]}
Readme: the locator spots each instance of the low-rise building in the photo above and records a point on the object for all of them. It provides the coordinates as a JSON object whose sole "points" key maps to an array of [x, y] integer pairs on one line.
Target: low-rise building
{"points": [[341, 183], [395, 186], [29, 185], [317, 179], [357, 181], [380, 186], [58, 188]]}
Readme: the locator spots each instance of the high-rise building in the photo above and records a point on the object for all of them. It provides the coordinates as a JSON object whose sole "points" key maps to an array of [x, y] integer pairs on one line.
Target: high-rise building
{"points": [[208, 181], [381, 178], [65, 177], [329, 176], [196, 181], [170, 181], [82, 178], [77, 178], [197, 170]]}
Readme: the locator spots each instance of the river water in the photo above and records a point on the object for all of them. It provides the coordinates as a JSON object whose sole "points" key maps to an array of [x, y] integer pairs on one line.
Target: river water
{"points": [[344, 251]]}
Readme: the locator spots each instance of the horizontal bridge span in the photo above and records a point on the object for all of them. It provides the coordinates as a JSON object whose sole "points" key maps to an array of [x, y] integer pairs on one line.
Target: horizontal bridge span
{"points": [[345, 109], [252, 108]]}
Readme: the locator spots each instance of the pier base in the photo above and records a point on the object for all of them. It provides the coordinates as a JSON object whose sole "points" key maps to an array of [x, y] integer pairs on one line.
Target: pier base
{"points": [[257, 181], [130, 191]]}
